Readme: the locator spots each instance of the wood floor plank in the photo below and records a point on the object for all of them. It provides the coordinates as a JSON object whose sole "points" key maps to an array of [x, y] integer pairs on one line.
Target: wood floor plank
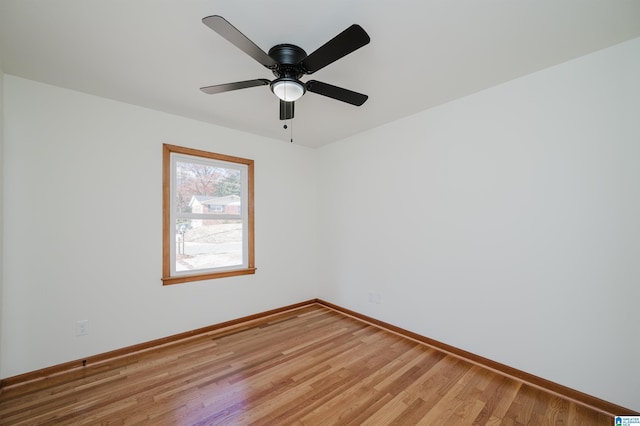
{"points": [[309, 366], [498, 396]]}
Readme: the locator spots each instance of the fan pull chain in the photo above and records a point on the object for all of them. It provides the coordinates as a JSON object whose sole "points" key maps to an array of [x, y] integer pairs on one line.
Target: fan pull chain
{"points": [[285, 127]]}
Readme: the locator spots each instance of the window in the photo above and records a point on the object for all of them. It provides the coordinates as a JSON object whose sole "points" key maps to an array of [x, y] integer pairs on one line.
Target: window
{"points": [[207, 215]]}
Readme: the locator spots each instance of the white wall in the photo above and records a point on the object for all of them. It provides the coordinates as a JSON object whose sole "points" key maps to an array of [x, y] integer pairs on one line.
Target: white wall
{"points": [[1, 201], [83, 217], [506, 223]]}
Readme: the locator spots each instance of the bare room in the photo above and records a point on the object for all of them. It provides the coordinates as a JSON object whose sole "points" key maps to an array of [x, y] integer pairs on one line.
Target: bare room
{"points": [[444, 230]]}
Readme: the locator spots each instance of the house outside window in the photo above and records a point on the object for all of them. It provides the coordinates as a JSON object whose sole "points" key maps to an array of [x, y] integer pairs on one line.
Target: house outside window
{"points": [[207, 215]]}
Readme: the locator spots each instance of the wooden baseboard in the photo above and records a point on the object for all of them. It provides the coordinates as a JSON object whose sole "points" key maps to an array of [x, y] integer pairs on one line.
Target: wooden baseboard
{"points": [[547, 385], [129, 351]]}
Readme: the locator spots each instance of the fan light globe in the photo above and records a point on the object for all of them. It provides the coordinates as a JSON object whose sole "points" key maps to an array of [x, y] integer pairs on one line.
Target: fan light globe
{"points": [[288, 90]]}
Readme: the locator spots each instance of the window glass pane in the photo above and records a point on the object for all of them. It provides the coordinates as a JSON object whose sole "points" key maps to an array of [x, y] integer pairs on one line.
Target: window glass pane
{"points": [[207, 189], [205, 244]]}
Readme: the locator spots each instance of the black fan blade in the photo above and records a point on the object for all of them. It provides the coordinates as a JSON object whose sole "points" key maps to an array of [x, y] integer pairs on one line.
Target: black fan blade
{"points": [[335, 92], [219, 88], [341, 45], [232, 34], [286, 110]]}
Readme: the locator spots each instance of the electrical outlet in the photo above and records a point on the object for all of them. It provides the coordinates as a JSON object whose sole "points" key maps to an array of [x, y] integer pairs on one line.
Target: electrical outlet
{"points": [[82, 327]]}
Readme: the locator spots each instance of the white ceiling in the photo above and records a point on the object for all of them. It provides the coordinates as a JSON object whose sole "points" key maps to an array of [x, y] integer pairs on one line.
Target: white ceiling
{"points": [[157, 53]]}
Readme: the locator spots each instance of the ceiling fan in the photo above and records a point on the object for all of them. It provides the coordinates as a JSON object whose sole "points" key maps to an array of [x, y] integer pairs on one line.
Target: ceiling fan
{"points": [[289, 62]]}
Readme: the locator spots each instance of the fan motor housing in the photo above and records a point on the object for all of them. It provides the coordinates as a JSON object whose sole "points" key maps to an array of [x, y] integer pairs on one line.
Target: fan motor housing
{"points": [[288, 57]]}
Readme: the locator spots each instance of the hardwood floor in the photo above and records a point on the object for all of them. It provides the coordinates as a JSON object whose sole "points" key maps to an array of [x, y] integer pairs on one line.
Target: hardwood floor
{"points": [[311, 366]]}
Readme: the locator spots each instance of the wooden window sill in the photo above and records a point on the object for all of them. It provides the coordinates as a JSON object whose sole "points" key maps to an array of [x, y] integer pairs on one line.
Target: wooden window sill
{"points": [[209, 276]]}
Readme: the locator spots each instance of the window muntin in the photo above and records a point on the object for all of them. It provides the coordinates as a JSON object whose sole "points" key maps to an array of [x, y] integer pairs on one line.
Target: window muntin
{"points": [[208, 215]]}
